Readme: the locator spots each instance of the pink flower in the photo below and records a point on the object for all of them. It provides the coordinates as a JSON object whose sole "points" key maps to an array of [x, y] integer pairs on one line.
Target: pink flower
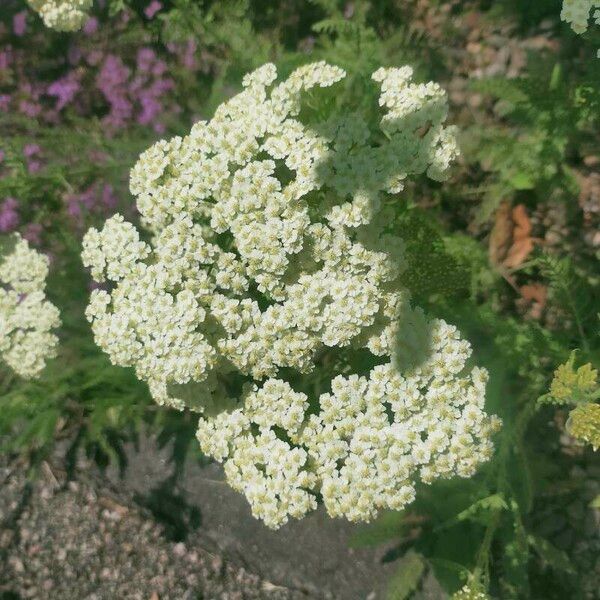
{"points": [[189, 55], [30, 151], [30, 109], [94, 58], [98, 157], [91, 26], [9, 217], [109, 198], [74, 54], [145, 59], [64, 89], [32, 233], [152, 8], [96, 198], [20, 23], [6, 59], [112, 82]]}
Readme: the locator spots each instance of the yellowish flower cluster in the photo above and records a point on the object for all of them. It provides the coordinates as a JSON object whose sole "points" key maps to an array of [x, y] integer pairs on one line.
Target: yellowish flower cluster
{"points": [[584, 423], [26, 317], [62, 15], [273, 253]]}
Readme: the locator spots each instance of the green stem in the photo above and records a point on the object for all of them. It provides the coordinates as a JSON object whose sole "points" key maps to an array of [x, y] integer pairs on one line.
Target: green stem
{"points": [[481, 570], [521, 421]]}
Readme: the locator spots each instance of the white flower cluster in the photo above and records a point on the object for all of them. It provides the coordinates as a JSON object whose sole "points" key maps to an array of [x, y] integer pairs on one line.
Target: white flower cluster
{"points": [[26, 317], [469, 592], [272, 254], [62, 15], [372, 439], [577, 14]]}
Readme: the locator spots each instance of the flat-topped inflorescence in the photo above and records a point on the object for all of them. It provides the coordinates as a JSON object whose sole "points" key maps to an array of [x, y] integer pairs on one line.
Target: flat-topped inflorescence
{"points": [[62, 15], [27, 319], [272, 272], [578, 13]]}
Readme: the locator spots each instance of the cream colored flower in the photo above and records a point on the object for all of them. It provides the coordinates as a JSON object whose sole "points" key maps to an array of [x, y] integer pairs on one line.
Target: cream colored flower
{"points": [[27, 319], [273, 253], [577, 13], [62, 15]]}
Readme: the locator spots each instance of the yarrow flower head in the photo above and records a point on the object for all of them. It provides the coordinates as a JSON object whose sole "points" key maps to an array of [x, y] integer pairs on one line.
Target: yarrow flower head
{"points": [[26, 317], [470, 592], [62, 15], [577, 14], [268, 297], [584, 423]]}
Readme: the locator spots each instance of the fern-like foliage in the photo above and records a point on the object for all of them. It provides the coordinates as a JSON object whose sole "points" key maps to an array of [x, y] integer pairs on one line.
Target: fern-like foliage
{"points": [[551, 116], [571, 290]]}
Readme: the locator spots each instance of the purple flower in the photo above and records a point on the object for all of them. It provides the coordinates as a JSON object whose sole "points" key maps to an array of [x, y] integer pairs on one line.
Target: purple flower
{"points": [[2, 156], [113, 73], [9, 217], [30, 109], [32, 233], [20, 23], [145, 59], [91, 26], [152, 8], [64, 89], [97, 198], [6, 59], [186, 53], [189, 55], [109, 198], [98, 157], [75, 202], [160, 68], [30, 151], [74, 55], [151, 108], [4, 102], [94, 58], [111, 81]]}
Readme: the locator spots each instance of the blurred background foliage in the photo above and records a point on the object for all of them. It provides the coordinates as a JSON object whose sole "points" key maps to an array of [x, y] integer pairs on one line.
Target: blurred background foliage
{"points": [[508, 249]]}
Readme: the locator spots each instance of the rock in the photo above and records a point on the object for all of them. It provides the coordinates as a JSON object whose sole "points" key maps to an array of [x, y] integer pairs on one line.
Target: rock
{"points": [[179, 549]]}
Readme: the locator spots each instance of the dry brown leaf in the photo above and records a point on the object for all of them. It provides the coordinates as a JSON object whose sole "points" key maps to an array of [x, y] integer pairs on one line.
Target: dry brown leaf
{"points": [[518, 252], [522, 222], [501, 235], [534, 292], [510, 240]]}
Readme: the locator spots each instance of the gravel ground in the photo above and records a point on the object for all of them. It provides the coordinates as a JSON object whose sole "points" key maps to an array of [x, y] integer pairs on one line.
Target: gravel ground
{"points": [[69, 541]]}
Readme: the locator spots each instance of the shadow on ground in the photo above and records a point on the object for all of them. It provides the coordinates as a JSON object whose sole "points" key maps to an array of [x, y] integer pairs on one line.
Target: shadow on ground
{"points": [[198, 508]]}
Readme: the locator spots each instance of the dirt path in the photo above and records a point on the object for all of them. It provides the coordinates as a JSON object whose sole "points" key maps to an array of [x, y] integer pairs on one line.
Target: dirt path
{"points": [[75, 541], [147, 532]]}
